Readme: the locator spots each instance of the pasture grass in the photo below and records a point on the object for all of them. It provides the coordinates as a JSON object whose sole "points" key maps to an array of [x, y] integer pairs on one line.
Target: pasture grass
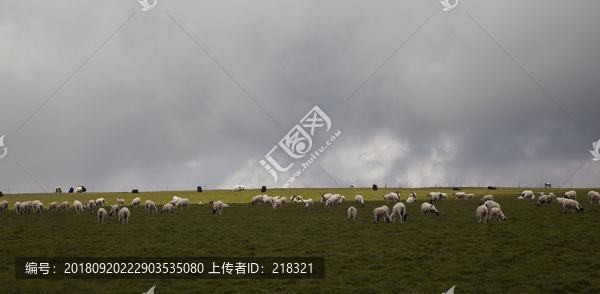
{"points": [[537, 250]]}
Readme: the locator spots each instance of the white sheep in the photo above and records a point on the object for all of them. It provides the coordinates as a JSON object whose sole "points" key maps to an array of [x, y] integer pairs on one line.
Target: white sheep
{"points": [[324, 197], [64, 206], [498, 214], [352, 214], [78, 206], [3, 206], [38, 207], [411, 200], [52, 205], [167, 208], [520, 198], [218, 206], [102, 215], [435, 197], [359, 200], [560, 200], [183, 202], [399, 211], [27, 207], [469, 196], [444, 196], [277, 203], [528, 194], [124, 214], [459, 195], [544, 199], [570, 204], [381, 212], [174, 202], [482, 213], [121, 201], [309, 204], [491, 204], [342, 200], [258, 199], [114, 210], [296, 198], [485, 198], [267, 200], [136, 202], [238, 188], [330, 202], [18, 207], [392, 196], [283, 201], [571, 195], [100, 202], [150, 205], [593, 196], [426, 207], [412, 194], [91, 206], [351, 186], [176, 198]]}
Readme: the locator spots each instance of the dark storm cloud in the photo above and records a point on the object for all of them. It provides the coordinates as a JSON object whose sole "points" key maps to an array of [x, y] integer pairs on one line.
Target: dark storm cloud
{"points": [[151, 108]]}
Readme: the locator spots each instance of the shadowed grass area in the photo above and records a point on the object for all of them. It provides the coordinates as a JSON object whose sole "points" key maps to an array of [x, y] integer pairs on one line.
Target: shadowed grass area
{"points": [[537, 250]]}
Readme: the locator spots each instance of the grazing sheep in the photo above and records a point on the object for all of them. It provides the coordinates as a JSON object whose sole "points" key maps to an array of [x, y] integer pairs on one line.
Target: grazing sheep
{"points": [[64, 206], [167, 208], [485, 198], [121, 201], [560, 200], [238, 188], [309, 204], [258, 199], [381, 212], [411, 200], [114, 210], [18, 207], [267, 200], [174, 201], [528, 194], [444, 196], [426, 207], [469, 196], [330, 202], [342, 200], [183, 202], [26, 207], [78, 206], [283, 201], [150, 205], [399, 211], [324, 197], [136, 202], [435, 197], [593, 196], [176, 198], [498, 214], [102, 215], [352, 214], [277, 204], [218, 206], [570, 204], [39, 207], [91, 205], [359, 201], [3, 206], [543, 199], [491, 204], [124, 214], [351, 186], [52, 205], [392, 196], [482, 213], [459, 195], [100, 202], [296, 198], [571, 195]]}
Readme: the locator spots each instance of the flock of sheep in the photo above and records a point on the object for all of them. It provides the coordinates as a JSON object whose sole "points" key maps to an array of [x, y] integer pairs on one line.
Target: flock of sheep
{"points": [[487, 209], [124, 213]]}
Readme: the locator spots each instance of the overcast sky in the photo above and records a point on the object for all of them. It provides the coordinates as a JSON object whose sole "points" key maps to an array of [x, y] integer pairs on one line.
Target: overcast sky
{"points": [[102, 94]]}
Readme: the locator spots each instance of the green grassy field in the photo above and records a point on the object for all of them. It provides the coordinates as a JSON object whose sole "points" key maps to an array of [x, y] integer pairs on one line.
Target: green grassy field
{"points": [[537, 250]]}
